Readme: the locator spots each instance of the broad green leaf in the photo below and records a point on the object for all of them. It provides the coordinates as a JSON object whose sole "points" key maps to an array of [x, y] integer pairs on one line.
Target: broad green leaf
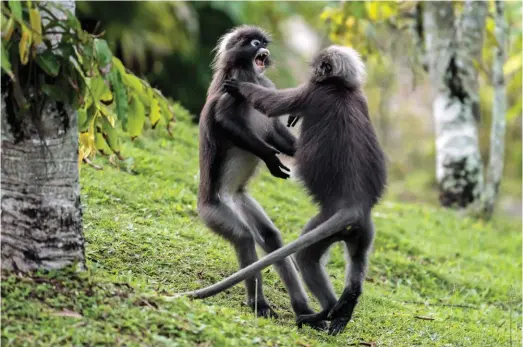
{"points": [[36, 25], [7, 32], [101, 144], [136, 118], [120, 96], [16, 9], [48, 62], [6, 64], [107, 112], [155, 113], [55, 92], [25, 44], [110, 136], [117, 63], [97, 87], [103, 56], [81, 116], [91, 113]]}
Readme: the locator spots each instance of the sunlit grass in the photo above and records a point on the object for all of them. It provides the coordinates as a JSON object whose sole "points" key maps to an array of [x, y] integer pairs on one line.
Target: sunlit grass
{"points": [[435, 278]]}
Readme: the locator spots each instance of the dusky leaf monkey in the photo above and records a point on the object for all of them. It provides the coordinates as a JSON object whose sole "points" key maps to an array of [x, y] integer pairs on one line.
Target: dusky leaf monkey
{"points": [[234, 138], [343, 166]]}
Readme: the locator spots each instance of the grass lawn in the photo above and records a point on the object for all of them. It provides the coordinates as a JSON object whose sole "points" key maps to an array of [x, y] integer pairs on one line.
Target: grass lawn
{"points": [[435, 278]]}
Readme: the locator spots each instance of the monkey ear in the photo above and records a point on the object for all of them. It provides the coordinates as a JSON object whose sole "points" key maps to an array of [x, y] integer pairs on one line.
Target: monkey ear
{"points": [[326, 68]]}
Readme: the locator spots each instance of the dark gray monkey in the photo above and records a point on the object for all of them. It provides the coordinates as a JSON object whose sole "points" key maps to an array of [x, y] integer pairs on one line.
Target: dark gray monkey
{"points": [[342, 165], [233, 139]]}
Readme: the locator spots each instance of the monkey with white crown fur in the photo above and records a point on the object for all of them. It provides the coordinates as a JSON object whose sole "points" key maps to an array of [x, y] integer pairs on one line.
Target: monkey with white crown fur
{"points": [[234, 138], [341, 163]]}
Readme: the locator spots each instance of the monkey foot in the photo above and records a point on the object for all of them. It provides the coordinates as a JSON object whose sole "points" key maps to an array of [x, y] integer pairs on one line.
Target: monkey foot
{"points": [[264, 310], [314, 320]]}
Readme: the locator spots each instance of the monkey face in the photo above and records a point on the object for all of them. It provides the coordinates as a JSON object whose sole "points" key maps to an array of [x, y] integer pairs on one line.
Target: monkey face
{"points": [[245, 47]]}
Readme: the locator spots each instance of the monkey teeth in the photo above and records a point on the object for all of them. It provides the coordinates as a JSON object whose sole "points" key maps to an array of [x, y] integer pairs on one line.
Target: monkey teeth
{"points": [[260, 59]]}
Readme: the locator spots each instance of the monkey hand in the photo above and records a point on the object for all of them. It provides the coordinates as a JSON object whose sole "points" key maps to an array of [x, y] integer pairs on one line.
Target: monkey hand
{"points": [[232, 87], [292, 121], [276, 167]]}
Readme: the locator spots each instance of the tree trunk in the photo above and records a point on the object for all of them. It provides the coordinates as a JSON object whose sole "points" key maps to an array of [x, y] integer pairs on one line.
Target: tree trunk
{"points": [[497, 132], [452, 47], [41, 210]]}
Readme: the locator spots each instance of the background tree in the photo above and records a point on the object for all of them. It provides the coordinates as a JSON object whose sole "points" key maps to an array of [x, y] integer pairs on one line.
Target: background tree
{"points": [[447, 40], [58, 80]]}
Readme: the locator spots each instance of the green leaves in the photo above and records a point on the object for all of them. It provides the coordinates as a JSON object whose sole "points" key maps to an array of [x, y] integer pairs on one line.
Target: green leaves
{"points": [[136, 118], [120, 96], [16, 9], [103, 56], [49, 63], [84, 75]]}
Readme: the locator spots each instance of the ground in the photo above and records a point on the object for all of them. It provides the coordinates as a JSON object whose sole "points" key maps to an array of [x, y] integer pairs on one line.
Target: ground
{"points": [[435, 278]]}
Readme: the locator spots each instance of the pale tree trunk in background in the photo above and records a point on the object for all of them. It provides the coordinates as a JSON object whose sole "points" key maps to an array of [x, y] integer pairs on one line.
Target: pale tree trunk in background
{"points": [[452, 47], [497, 132], [41, 211]]}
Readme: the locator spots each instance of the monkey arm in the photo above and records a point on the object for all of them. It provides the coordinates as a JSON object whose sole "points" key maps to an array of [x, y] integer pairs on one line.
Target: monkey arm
{"points": [[282, 139], [273, 103], [228, 116]]}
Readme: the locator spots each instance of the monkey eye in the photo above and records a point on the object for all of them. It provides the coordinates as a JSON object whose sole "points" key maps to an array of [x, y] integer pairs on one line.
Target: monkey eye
{"points": [[255, 43]]}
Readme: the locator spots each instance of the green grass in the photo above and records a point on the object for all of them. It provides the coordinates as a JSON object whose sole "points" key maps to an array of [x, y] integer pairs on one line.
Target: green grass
{"points": [[143, 240]]}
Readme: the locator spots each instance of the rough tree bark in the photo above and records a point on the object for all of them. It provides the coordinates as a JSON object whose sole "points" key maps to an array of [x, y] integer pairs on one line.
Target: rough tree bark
{"points": [[497, 132], [41, 211], [452, 46]]}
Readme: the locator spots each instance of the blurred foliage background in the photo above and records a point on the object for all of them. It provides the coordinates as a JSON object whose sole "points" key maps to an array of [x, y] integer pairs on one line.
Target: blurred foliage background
{"points": [[170, 44]]}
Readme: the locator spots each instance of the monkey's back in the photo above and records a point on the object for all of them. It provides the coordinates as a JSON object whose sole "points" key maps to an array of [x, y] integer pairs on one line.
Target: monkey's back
{"points": [[339, 156]]}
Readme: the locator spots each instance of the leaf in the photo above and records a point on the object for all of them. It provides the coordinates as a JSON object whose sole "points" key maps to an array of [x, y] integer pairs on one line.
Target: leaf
{"points": [[6, 64], [7, 32], [91, 113], [81, 116], [120, 95], [155, 113], [372, 10], [25, 44], [111, 137], [103, 56], [49, 63], [16, 9], [101, 144], [36, 25], [136, 118], [107, 112], [54, 92], [512, 65], [97, 87]]}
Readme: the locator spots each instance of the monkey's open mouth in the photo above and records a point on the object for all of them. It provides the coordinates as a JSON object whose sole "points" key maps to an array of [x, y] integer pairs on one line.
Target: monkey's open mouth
{"points": [[259, 60]]}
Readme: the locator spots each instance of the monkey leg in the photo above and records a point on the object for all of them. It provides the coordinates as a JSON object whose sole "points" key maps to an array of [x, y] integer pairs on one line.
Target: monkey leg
{"points": [[226, 222], [256, 216], [310, 262], [357, 247]]}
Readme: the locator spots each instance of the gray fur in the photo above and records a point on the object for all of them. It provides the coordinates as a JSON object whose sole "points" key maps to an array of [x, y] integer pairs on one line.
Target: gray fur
{"points": [[234, 138], [342, 165]]}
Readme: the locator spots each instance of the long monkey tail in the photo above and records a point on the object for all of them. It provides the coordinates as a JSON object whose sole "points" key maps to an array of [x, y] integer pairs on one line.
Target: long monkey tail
{"points": [[341, 219]]}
